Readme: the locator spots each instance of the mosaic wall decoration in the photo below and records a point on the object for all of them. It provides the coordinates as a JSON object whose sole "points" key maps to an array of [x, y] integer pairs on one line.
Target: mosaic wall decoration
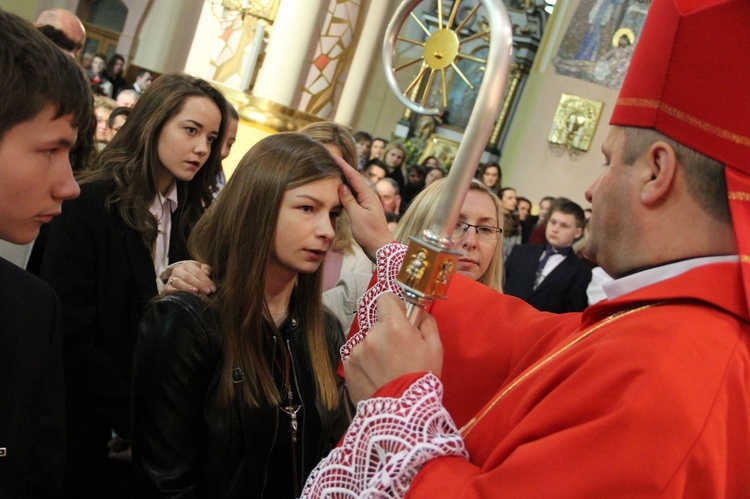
{"points": [[229, 59], [600, 39], [330, 62]]}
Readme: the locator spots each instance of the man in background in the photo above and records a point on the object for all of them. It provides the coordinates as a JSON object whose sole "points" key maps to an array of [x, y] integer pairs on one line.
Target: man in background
{"points": [[143, 80], [127, 97], [68, 24], [363, 141], [375, 170], [388, 192]]}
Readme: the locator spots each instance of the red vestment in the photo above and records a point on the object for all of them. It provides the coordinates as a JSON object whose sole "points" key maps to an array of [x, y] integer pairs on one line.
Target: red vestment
{"points": [[643, 395], [653, 403]]}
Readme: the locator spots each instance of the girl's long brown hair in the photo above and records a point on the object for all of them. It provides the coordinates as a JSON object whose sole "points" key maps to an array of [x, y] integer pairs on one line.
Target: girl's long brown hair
{"points": [[235, 237], [131, 160]]}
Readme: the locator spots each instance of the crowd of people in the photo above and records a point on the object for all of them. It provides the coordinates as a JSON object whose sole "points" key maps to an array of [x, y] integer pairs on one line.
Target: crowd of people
{"points": [[190, 336]]}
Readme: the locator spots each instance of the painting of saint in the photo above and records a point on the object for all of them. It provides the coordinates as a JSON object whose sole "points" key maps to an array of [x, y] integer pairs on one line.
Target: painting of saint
{"points": [[599, 42]]}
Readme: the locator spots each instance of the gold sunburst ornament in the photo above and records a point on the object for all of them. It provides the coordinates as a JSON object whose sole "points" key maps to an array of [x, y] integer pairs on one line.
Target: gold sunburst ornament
{"points": [[441, 50]]}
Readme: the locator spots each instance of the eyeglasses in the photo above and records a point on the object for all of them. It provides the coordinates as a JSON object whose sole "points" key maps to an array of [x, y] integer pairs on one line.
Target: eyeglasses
{"points": [[484, 232]]}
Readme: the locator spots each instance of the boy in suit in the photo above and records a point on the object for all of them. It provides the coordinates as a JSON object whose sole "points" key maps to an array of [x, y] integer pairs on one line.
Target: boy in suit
{"points": [[551, 277], [45, 101]]}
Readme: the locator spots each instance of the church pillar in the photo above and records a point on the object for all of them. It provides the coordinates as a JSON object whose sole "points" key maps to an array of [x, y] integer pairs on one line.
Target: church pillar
{"points": [[287, 56], [164, 36], [368, 49]]}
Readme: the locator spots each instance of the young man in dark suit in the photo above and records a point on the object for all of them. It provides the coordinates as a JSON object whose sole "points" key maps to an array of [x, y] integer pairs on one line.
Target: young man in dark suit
{"points": [[551, 277], [45, 101]]}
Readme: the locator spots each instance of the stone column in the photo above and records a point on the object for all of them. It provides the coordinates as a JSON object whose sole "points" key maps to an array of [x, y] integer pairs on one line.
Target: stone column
{"points": [[287, 57], [368, 49], [163, 40]]}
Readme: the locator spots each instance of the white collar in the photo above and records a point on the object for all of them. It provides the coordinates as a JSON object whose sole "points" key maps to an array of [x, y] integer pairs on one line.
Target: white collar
{"points": [[157, 205], [629, 283]]}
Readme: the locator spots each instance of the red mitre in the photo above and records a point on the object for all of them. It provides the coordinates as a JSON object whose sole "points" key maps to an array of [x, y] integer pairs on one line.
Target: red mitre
{"points": [[690, 80]]}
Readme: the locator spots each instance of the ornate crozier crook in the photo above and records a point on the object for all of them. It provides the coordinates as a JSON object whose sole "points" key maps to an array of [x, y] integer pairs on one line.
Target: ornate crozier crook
{"points": [[430, 262]]}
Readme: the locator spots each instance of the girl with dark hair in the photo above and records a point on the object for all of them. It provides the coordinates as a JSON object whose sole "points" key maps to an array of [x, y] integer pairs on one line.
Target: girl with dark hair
{"points": [[137, 206], [491, 175], [235, 395], [114, 71]]}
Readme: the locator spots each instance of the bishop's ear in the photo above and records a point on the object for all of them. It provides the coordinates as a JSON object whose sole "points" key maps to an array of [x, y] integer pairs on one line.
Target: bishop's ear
{"points": [[661, 162]]}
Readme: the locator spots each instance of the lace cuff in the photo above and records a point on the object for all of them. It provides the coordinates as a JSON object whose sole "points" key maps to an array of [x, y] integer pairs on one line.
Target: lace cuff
{"points": [[389, 440], [389, 259]]}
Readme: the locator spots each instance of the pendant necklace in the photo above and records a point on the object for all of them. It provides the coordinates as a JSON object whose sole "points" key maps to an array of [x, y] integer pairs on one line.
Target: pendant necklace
{"points": [[291, 409]]}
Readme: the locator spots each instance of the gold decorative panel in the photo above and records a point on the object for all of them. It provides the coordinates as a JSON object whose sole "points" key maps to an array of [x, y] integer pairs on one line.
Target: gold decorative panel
{"points": [[575, 122]]}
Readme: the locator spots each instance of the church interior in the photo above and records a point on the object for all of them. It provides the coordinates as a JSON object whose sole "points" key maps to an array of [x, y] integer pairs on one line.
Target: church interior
{"points": [[286, 63]]}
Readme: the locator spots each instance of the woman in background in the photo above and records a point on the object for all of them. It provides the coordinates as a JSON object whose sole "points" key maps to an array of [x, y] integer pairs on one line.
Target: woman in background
{"points": [[492, 176], [478, 233], [394, 157], [114, 71], [378, 146]]}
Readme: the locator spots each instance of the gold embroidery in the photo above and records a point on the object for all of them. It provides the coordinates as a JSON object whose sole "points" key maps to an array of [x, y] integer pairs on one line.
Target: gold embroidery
{"points": [[739, 195], [468, 427], [745, 258], [682, 116], [649, 103]]}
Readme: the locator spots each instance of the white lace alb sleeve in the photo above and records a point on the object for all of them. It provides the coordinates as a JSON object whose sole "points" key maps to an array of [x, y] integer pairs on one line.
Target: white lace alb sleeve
{"points": [[389, 440], [389, 259]]}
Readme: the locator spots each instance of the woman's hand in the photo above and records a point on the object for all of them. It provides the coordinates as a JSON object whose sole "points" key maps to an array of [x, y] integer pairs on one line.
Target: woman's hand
{"points": [[188, 275], [368, 218]]}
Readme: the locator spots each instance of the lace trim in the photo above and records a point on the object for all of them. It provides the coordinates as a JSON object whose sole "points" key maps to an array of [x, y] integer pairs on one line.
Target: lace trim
{"points": [[389, 440], [389, 259]]}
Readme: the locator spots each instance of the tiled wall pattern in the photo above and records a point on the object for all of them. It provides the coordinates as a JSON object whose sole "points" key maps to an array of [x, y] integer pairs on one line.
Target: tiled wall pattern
{"points": [[330, 62]]}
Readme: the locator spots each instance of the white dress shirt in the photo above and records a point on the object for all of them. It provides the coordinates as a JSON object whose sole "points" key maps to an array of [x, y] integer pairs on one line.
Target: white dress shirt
{"points": [[162, 208]]}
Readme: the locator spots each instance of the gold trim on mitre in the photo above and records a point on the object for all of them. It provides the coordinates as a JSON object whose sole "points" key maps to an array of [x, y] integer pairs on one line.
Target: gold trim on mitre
{"points": [[744, 258], [738, 196], [684, 117]]}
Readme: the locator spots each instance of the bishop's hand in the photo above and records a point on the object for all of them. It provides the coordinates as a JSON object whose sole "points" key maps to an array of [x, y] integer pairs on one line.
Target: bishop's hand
{"points": [[392, 348]]}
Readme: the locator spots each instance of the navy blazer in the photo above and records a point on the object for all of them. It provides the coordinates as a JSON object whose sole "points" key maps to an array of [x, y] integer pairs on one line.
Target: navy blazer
{"points": [[32, 398], [563, 290]]}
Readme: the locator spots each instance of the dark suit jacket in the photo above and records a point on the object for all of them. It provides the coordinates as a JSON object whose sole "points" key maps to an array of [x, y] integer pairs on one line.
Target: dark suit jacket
{"points": [[563, 290], [32, 399], [104, 276]]}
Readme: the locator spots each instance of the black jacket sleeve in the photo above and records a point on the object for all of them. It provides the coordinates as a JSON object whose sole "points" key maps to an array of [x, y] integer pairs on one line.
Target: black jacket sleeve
{"points": [[173, 365]]}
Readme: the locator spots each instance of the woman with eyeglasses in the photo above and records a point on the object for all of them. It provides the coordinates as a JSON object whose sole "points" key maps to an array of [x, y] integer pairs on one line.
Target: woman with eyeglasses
{"points": [[478, 235]]}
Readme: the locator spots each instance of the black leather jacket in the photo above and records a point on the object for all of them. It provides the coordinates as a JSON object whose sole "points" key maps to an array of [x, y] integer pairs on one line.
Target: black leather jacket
{"points": [[184, 445]]}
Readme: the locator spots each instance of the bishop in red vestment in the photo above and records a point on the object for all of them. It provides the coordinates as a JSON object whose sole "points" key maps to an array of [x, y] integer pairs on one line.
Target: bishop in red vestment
{"points": [[645, 394]]}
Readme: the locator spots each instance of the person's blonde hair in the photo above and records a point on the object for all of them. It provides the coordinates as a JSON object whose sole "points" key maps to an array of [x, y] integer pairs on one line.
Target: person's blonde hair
{"points": [[235, 237], [328, 132], [104, 102], [422, 210], [394, 145]]}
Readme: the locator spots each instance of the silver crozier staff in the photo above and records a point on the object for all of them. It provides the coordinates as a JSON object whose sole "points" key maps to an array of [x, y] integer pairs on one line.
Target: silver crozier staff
{"points": [[430, 262]]}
